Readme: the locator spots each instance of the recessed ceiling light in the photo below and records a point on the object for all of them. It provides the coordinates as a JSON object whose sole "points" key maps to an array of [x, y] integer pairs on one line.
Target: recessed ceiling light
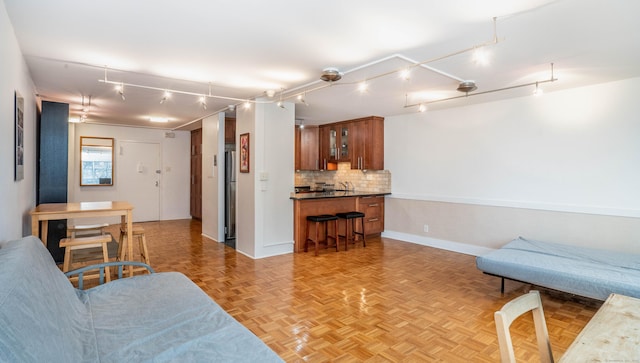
{"points": [[158, 119]]}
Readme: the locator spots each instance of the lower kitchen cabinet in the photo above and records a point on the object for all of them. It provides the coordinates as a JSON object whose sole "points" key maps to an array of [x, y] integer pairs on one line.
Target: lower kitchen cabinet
{"points": [[373, 209]]}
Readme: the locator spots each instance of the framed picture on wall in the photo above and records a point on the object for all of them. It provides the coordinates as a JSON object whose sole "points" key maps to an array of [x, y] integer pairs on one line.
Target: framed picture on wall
{"points": [[244, 153], [19, 136]]}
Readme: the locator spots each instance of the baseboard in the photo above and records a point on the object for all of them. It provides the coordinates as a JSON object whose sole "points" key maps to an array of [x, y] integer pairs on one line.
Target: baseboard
{"points": [[464, 248]]}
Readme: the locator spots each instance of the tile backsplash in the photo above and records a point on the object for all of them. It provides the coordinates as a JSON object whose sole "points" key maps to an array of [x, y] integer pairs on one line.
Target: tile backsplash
{"points": [[369, 181]]}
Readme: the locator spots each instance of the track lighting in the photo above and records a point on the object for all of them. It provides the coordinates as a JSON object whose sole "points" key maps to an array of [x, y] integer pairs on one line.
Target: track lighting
{"points": [[203, 102], [302, 99], [270, 93], [165, 96], [120, 89], [232, 108], [405, 74], [363, 87], [247, 105], [538, 91], [422, 108]]}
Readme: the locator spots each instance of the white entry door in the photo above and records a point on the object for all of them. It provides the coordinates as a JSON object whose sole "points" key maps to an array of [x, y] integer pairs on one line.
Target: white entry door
{"points": [[138, 167]]}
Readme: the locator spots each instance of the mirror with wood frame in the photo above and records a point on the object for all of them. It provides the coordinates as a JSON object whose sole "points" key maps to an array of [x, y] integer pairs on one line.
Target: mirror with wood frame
{"points": [[96, 161]]}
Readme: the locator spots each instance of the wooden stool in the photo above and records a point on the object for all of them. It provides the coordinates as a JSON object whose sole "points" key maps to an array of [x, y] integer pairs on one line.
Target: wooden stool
{"points": [[81, 243], [88, 229], [324, 219], [350, 232], [138, 232]]}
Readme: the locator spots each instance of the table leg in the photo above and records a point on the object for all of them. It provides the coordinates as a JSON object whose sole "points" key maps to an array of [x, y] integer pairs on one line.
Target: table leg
{"points": [[45, 231], [130, 239], [35, 226]]}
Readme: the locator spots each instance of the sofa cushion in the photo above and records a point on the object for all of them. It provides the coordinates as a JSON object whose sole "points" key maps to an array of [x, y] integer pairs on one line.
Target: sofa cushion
{"points": [[41, 317], [165, 317]]}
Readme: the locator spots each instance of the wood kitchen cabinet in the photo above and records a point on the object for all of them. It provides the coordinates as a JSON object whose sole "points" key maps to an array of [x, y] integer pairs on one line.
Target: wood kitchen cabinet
{"points": [[359, 141], [334, 145], [229, 130], [373, 209], [367, 143], [307, 148]]}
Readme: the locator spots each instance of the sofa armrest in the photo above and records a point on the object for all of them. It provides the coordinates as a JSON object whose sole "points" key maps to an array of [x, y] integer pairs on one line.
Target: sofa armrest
{"points": [[101, 267]]}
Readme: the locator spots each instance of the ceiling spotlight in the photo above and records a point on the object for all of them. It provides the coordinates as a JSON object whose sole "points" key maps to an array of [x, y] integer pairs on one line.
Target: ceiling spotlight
{"points": [[232, 108], [538, 91], [247, 105], [363, 86], [422, 107], [330, 74], [480, 56], [165, 96], [301, 99], [158, 119], [405, 74], [203, 102], [270, 93], [280, 104], [467, 86], [120, 89]]}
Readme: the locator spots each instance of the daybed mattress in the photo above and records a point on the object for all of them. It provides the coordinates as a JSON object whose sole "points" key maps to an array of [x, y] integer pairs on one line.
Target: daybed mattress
{"points": [[582, 271]]}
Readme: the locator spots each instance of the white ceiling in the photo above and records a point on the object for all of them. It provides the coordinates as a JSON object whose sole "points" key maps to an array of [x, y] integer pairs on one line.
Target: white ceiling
{"points": [[241, 48]]}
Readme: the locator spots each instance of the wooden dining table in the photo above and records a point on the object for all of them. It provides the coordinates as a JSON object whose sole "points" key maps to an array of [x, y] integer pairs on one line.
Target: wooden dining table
{"points": [[43, 213], [612, 335]]}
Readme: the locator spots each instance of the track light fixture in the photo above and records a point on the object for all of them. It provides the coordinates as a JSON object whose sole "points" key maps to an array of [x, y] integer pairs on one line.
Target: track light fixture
{"points": [[165, 96], [120, 89], [302, 98], [203, 102], [537, 91]]}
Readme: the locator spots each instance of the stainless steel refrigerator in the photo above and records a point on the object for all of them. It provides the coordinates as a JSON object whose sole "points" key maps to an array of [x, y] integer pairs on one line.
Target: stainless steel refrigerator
{"points": [[230, 194]]}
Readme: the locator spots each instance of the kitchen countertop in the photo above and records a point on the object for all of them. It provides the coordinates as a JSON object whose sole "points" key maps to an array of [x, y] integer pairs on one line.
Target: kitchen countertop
{"points": [[334, 194]]}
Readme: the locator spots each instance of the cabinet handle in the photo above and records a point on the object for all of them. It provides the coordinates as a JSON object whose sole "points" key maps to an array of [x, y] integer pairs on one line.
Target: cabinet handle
{"points": [[373, 220], [374, 205], [317, 164]]}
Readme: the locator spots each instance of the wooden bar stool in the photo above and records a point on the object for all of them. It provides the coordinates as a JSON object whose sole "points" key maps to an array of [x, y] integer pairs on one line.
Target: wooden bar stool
{"points": [[82, 243], [350, 233], [87, 229], [138, 232], [323, 219]]}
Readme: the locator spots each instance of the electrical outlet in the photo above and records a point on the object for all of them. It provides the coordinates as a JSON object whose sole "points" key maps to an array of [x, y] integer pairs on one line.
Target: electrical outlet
{"points": [[426, 228]]}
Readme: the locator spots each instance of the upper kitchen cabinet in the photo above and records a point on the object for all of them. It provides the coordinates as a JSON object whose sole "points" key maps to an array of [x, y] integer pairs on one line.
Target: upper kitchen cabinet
{"points": [[359, 141], [367, 143], [307, 148]]}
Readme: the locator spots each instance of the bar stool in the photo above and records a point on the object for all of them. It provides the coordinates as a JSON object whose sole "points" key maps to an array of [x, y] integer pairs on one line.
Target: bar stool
{"points": [[87, 229], [324, 219], [81, 243], [350, 230], [137, 232]]}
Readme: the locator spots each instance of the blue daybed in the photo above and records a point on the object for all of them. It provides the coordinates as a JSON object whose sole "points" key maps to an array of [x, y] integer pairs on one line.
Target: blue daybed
{"points": [[587, 272], [161, 317]]}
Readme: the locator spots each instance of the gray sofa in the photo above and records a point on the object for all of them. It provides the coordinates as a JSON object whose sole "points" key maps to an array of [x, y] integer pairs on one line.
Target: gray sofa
{"points": [[162, 317], [588, 272]]}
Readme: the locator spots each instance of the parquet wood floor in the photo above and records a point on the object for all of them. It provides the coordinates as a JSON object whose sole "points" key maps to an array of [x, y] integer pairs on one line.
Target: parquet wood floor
{"points": [[389, 302]]}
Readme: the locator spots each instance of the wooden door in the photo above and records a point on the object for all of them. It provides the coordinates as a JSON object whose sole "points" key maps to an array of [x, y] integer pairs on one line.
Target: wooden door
{"points": [[196, 174]]}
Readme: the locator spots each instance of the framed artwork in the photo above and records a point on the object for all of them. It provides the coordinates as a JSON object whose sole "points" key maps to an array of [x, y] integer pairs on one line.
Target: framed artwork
{"points": [[19, 136], [244, 153]]}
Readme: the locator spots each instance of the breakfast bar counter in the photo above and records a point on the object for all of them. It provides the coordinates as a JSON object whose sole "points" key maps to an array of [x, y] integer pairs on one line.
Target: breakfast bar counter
{"points": [[317, 203]]}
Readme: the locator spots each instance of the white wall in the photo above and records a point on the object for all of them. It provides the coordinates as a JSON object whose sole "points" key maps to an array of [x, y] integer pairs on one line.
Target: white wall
{"points": [[265, 212], [175, 166], [574, 151], [18, 197], [213, 177]]}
